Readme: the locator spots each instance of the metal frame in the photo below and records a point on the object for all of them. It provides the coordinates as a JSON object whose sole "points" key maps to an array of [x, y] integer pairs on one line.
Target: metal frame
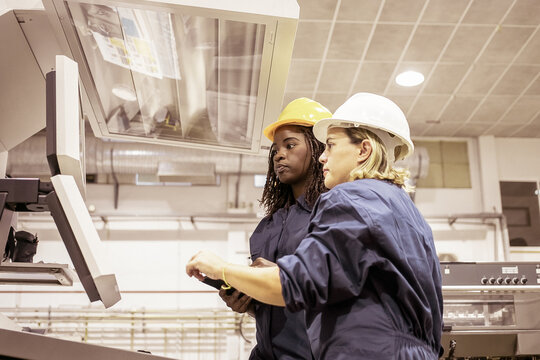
{"points": [[60, 272]]}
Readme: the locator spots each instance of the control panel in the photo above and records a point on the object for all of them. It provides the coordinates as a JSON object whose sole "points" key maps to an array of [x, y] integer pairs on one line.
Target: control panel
{"points": [[490, 273]]}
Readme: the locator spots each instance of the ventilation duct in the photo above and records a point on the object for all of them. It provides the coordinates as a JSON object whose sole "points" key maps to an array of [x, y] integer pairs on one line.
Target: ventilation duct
{"points": [[151, 163]]}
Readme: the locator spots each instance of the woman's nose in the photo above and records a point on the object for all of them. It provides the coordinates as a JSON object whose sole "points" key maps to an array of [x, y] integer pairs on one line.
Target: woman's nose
{"points": [[323, 158], [279, 155]]}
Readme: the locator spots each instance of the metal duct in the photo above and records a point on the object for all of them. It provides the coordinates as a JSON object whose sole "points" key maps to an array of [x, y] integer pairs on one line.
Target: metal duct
{"points": [[126, 158]]}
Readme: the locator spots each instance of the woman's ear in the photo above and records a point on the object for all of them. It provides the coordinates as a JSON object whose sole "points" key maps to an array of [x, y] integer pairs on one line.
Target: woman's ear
{"points": [[364, 150]]}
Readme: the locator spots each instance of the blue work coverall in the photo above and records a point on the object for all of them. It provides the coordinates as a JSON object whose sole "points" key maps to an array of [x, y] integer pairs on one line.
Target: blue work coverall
{"points": [[367, 275], [281, 334]]}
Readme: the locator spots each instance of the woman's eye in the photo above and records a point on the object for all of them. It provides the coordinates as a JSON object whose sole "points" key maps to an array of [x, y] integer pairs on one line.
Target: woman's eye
{"points": [[290, 146]]}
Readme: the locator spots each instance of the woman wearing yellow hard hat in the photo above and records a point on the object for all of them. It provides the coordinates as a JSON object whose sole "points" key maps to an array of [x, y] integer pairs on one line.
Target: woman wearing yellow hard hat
{"points": [[367, 274], [293, 183]]}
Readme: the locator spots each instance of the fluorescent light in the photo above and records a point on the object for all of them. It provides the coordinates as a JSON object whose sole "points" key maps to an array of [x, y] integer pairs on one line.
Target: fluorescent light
{"points": [[409, 78], [259, 181]]}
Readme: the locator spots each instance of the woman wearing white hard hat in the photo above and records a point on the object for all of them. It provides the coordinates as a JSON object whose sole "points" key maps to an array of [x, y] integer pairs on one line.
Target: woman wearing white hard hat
{"points": [[367, 273]]}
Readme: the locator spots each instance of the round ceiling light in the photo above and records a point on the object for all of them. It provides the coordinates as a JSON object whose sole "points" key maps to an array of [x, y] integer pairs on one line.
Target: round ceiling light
{"points": [[409, 78]]}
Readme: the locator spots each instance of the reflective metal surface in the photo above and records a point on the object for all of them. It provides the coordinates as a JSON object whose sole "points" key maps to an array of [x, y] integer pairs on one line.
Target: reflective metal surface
{"points": [[485, 318], [179, 74]]}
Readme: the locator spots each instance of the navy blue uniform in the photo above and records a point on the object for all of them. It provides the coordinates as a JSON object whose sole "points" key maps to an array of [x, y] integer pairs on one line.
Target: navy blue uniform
{"points": [[281, 334], [367, 275]]}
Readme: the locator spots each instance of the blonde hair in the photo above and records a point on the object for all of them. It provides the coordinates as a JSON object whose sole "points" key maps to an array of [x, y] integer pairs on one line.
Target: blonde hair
{"points": [[376, 166]]}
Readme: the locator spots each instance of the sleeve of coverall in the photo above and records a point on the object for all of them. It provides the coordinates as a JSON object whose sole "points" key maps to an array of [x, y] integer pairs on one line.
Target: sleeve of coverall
{"points": [[332, 263]]}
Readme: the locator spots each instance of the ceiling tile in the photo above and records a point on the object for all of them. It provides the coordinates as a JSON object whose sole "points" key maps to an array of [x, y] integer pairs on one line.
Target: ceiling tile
{"points": [[331, 100], [388, 42], [516, 79], [337, 75], [459, 109], [427, 108], [373, 77], [530, 130], [440, 98], [523, 110], [365, 10], [524, 12], [501, 130], [445, 78], [324, 9], [472, 129], [302, 75], [344, 45], [290, 96], [535, 88], [311, 39], [403, 101], [442, 129], [444, 11], [531, 53], [486, 11], [401, 10], [505, 44], [481, 79], [423, 68], [417, 129], [467, 43], [491, 110], [427, 43]]}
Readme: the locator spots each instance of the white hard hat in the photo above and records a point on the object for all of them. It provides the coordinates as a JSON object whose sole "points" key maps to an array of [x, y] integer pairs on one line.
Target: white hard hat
{"points": [[375, 113]]}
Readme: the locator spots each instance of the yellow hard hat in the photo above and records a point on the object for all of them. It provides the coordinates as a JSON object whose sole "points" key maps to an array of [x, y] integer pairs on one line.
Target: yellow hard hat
{"points": [[302, 111]]}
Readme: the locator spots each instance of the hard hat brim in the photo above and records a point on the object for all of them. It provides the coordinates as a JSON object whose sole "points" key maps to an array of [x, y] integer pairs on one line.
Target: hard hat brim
{"points": [[320, 131], [270, 130]]}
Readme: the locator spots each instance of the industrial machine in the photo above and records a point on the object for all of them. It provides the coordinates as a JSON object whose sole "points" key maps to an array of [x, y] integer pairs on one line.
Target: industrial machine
{"points": [[63, 197], [491, 310]]}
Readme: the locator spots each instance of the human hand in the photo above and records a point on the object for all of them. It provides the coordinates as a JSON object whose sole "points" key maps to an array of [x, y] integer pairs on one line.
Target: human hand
{"points": [[237, 301], [205, 263]]}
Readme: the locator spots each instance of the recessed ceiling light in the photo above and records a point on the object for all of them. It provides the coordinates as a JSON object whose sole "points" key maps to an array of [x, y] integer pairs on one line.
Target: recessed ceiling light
{"points": [[409, 78]]}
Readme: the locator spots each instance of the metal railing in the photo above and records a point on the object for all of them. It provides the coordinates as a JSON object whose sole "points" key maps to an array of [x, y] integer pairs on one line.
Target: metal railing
{"points": [[185, 334]]}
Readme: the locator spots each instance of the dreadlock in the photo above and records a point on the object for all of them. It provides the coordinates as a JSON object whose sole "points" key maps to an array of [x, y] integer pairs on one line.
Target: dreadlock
{"points": [[277, 195]]}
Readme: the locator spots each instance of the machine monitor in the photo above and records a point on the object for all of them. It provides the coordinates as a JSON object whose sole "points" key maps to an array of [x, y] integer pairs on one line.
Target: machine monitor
{"points": [[65, 133], [81, 239], [65, 143]]}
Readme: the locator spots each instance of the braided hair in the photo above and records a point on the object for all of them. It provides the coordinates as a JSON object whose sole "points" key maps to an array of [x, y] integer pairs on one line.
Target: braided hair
{"points": [[277, 195]]}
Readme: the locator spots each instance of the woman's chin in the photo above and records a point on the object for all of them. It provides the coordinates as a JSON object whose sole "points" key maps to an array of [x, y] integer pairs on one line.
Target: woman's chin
{"points": [[329, 183]]}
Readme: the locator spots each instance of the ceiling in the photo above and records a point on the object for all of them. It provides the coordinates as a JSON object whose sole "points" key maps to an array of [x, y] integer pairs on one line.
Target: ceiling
{"points": [[480, 58]]}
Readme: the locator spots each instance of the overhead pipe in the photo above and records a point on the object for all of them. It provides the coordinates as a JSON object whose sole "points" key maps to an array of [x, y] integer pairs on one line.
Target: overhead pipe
{"points": [[104, 157], [452, 218]]}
